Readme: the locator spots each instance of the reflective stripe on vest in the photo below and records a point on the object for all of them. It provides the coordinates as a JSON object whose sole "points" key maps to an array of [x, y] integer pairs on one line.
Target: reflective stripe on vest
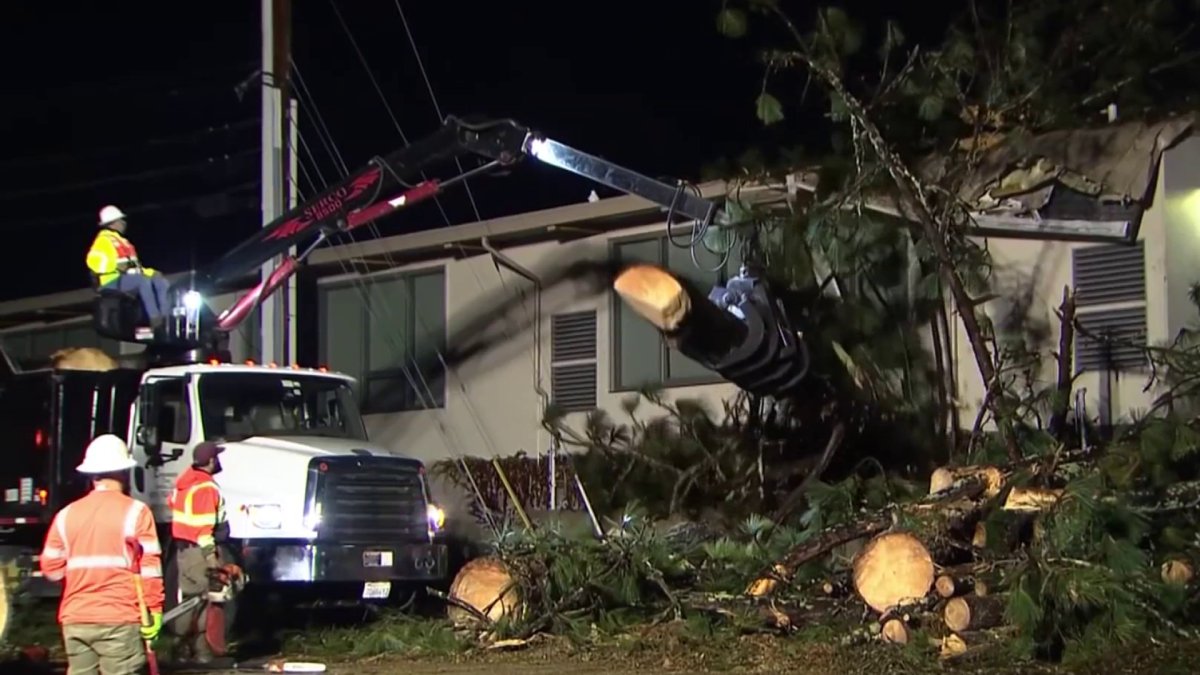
{"points": [[188, 517], [96, 561]]}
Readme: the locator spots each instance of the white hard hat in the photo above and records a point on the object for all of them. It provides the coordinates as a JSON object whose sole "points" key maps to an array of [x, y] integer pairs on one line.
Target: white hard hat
{"points": [[106, 454], [110, 214]]}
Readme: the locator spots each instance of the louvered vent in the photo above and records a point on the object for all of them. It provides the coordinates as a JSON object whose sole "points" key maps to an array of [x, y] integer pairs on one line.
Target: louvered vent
{"points": [[1109, 274], [1111, 339], [573, 361]]}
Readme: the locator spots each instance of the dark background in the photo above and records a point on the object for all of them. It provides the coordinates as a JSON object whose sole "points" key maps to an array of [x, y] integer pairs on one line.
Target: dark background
{"points": [[136, 104]]}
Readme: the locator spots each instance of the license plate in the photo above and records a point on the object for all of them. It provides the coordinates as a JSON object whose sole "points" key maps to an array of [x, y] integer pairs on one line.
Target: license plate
{"points": [[377, 590], [377, 559]]}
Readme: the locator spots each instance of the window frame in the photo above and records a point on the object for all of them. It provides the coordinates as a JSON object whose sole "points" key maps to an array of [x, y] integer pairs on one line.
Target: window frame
{"points": [[413, 401], [615, 385]]}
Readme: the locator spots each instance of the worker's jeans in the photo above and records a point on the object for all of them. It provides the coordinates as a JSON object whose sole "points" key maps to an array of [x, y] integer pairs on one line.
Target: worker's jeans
{"points": [[193, 581], [103, 649], [152, 289]]}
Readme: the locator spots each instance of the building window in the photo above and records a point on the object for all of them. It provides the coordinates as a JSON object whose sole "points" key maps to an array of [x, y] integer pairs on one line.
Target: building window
{"points": [[1110, 296], [573, 361], [641, 356], [388, 333]]}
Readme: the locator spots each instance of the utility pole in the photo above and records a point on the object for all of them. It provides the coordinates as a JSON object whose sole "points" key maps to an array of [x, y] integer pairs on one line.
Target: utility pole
{"points": [[278, 334]]}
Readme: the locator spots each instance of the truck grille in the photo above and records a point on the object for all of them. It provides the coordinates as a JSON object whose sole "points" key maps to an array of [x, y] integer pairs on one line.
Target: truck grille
{"points": [[366, 499]]}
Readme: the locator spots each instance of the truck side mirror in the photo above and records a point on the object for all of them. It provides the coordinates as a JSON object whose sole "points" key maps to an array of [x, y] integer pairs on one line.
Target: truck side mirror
{"points": [[147, 430]]}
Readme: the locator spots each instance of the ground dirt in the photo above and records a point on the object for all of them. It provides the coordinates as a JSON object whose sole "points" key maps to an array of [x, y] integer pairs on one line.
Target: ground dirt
{"points": [[427, 647]]}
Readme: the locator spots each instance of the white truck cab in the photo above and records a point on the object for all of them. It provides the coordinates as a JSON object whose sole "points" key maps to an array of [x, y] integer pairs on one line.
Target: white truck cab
{"points": [[308, 498]]}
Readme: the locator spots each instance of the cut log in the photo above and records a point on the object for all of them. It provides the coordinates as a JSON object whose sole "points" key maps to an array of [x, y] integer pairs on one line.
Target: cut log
{"points": [[896, 632], [893, 569], [944, 478], [1032, 499], [691, 323], [973, 612], [1177, 571], [82, 358], [486, 585], [948, 586], [973, 642], [824, 542], [953, 645], [655, 295]]}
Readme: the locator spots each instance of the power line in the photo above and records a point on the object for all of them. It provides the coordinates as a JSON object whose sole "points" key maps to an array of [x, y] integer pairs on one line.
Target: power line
{"points": [[76, 155], [140, 209], [323, 134], [379, 90], [143, 175], [159, 84], [436, 108]]}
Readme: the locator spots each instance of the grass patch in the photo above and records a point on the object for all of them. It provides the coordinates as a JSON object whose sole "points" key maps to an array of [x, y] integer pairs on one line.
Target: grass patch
{"points": [[392, 634]]}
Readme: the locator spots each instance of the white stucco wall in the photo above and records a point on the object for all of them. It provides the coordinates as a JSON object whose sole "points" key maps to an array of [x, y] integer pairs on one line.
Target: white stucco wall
{"points": [[1170, 233]]}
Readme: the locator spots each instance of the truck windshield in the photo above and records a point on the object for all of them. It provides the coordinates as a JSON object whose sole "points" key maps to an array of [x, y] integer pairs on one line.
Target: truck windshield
{"points": [[235, 406]]}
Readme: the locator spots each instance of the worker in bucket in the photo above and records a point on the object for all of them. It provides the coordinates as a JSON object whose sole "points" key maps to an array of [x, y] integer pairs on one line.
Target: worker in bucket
{"points": [[197, 523], [94, 545], [114, 263]]}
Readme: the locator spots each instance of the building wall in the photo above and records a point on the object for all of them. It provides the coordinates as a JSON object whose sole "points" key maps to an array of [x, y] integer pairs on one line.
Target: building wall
{"points": [[490, 404], [1029, 277], [32, 344]]}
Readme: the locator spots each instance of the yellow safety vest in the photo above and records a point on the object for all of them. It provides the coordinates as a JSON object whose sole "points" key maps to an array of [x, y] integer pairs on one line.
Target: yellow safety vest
{"points": [[110, 255]]}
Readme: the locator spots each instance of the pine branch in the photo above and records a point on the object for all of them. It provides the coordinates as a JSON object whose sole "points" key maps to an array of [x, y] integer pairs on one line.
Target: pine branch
{"points": [[915, 199]]}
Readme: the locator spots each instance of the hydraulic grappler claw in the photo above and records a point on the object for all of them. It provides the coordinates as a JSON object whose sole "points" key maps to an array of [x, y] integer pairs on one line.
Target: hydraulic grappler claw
{"points": [[759, 349]]}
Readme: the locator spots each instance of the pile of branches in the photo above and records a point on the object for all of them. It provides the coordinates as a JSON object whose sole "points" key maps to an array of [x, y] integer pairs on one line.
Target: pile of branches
{"points": [[1057, 556]]}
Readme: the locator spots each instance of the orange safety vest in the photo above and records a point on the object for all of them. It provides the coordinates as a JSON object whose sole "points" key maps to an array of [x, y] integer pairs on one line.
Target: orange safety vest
{"points": [[196, 507], [88, 547], [111, 253]]}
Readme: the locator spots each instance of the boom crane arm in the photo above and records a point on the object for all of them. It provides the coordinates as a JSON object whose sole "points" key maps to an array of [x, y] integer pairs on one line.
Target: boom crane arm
{"points": [[740, 331], [357, 201]]}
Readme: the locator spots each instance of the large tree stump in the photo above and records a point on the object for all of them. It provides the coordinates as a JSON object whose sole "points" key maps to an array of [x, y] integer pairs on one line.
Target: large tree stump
{"points": [[974, 612], [893, 569], [486, 585]]}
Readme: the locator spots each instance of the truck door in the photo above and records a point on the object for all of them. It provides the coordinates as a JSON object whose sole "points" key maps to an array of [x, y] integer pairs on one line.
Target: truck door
{"points": [[162, 434]]}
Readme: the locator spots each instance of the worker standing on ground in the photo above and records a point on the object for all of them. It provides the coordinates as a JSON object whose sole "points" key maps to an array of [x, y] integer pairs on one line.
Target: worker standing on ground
{"points": [[197, 517], [114, 264], [89, 547]]}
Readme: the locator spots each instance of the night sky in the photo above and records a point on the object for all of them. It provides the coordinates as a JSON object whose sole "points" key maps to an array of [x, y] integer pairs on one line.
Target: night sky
{"points": [[136, 104]]}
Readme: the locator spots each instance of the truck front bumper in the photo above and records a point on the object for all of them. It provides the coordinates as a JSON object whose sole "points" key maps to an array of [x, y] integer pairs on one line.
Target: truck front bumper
{"points": [[290, 561]]}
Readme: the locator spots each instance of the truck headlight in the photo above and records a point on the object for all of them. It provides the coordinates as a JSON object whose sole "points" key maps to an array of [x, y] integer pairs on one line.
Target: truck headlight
{"points": [[266, 516], [437, 517]]}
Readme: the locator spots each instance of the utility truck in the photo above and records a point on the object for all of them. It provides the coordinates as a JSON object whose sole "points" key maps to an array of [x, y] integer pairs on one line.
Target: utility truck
{"points": [[312, 503]]}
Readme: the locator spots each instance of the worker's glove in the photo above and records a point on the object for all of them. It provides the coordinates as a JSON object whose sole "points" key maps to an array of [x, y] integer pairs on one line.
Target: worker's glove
{"points": [[150, 633]]}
